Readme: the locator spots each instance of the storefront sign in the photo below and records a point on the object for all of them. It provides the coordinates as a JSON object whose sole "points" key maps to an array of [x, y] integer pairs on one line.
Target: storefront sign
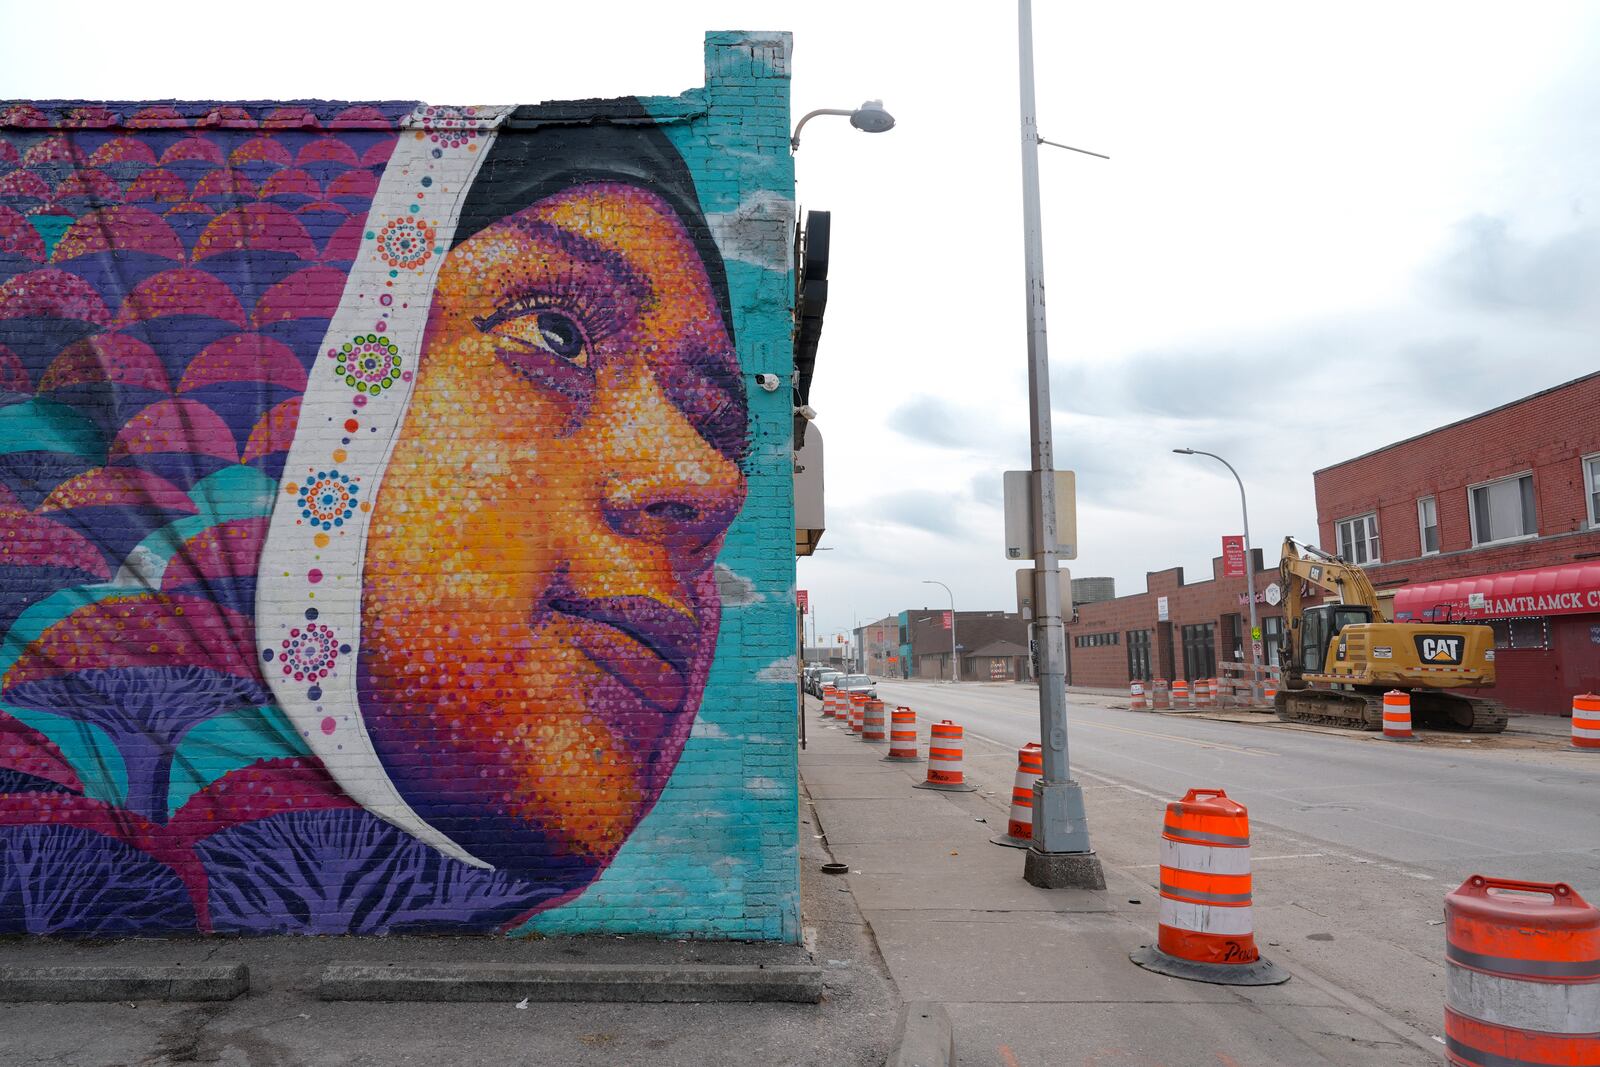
{"points": [[1233, 556], [1162, 615]]}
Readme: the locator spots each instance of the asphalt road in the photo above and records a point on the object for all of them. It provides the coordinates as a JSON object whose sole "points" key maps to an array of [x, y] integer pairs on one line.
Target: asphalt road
{"points": [[1447, 807]]}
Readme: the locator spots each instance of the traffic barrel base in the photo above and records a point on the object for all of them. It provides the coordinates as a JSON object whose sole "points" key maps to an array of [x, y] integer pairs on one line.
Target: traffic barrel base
{"points": [[902, 737], [945, 749], [1262, 972], [1019, 828]]}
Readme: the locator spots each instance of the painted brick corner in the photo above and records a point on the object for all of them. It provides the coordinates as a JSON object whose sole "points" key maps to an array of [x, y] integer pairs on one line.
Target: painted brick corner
{"points": [[390, 540]]}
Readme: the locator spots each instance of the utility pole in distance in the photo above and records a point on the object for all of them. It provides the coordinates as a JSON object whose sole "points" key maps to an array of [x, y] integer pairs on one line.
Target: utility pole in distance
{"points": [[955, 655], [1060, 856]]}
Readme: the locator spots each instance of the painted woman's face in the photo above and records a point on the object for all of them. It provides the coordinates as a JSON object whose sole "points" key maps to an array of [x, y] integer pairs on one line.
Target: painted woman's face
{"points": [[539, 610]]}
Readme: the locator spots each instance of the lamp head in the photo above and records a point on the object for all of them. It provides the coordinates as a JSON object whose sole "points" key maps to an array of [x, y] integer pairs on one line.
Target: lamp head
{"points": [[870, 117], [1184, 451]]}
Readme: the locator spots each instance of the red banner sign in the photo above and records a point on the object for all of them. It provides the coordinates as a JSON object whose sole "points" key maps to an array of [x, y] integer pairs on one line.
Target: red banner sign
{"points": [[947, 620], [1233, 557], [804, 599]]}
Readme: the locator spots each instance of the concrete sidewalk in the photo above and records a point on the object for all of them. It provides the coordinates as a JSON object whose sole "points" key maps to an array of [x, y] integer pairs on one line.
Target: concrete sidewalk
{"points": [[1040, 978]]}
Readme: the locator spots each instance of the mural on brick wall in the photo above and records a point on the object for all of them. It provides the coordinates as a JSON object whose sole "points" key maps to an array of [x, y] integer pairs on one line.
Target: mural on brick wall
{"points": [[363, 474]]}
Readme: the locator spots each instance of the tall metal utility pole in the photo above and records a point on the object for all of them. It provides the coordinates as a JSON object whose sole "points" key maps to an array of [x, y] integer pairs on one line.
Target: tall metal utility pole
{"points": [[1060, 856]]}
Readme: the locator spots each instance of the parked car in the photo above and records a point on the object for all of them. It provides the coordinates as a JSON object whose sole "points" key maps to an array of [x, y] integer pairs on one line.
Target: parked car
{"points": [[826, 677], [856, 683]]}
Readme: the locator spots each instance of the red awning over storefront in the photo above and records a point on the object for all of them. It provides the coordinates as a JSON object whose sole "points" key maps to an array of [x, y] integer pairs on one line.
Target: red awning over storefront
{"points": [[1569, 590]]}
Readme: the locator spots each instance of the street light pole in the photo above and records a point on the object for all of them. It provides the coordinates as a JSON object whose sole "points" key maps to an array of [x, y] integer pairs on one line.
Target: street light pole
{"points": [[1060, 856], [955, 657], [1249, 568]]}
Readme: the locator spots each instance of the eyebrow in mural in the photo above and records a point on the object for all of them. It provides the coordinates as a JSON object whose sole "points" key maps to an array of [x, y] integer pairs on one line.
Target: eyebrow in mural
{"points": [[326, 609]]}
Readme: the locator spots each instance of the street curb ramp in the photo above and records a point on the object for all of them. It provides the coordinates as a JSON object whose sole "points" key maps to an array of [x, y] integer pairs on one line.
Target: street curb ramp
{"points": [[923, 1037]]}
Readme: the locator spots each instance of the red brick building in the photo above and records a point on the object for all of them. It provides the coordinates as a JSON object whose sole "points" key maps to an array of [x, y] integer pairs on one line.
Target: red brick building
{"points": [[1494, 518], [1174, 630]]}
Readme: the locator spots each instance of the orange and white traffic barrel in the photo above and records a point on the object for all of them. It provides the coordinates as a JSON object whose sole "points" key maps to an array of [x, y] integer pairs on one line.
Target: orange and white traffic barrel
{"points": [[1180, 694], [1206, 929], [902, 737], [945, 744], [858, 711], [1522, 975], [1161, 697], [1272, 692], [1136, 696], [830, 702], [873, 728], [1397, 716], [1586, 721], [1030, 768]]}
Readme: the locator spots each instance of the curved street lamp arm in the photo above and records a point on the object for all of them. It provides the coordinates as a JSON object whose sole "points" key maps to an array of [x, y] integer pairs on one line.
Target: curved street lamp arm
{"points": [[794, 141]]}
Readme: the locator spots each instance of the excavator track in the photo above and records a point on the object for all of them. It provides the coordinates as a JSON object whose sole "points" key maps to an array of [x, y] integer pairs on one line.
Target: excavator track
{"points": [[1439, 710], [1353, 710], [1330, 707]]}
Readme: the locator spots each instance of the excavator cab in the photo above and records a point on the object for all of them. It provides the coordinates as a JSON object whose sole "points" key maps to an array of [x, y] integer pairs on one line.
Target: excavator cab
{"points": [[1322, 624]]}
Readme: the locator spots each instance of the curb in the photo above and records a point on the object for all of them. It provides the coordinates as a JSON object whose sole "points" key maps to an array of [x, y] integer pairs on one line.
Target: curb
{"points": [[923, 1037], [630, 983], [83, 982]]}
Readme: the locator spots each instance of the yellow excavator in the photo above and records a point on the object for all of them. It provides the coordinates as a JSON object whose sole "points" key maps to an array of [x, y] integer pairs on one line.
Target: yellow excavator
{"points": [[1339, 658]]}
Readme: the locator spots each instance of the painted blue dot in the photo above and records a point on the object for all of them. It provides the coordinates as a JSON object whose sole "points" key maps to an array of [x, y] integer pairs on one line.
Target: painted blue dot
{"points": [[437, 152], [414, 209], [315, 692], [267, 655], [394, 274], [311, 613], [344, 650], [426, 182]]}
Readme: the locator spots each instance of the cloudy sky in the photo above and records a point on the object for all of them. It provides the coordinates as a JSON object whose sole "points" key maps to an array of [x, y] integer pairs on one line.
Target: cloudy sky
{"points": [[1323, 228]]}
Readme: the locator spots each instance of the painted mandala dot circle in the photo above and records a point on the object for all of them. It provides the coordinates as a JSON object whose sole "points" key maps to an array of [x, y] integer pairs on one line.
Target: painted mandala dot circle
{"points": [[369, 363], [327, 498], [327, 723], [314, 575]]}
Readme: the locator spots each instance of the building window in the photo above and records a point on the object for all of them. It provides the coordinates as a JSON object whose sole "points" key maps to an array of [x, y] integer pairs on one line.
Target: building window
{"points": [[1358, 539], [1428, 524], [1591, 485], [1503, 510], [1521, 633], [1200, 651], [1272, 639], [1138, 655]]}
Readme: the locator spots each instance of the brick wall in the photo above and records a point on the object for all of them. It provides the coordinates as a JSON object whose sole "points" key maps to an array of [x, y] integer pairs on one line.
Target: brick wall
{"points": [[389, 539], [1547, 433], [1208, 601]]}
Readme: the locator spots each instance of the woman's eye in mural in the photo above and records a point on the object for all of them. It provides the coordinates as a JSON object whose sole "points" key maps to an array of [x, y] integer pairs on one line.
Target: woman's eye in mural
{"points": [[537, 327]]}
